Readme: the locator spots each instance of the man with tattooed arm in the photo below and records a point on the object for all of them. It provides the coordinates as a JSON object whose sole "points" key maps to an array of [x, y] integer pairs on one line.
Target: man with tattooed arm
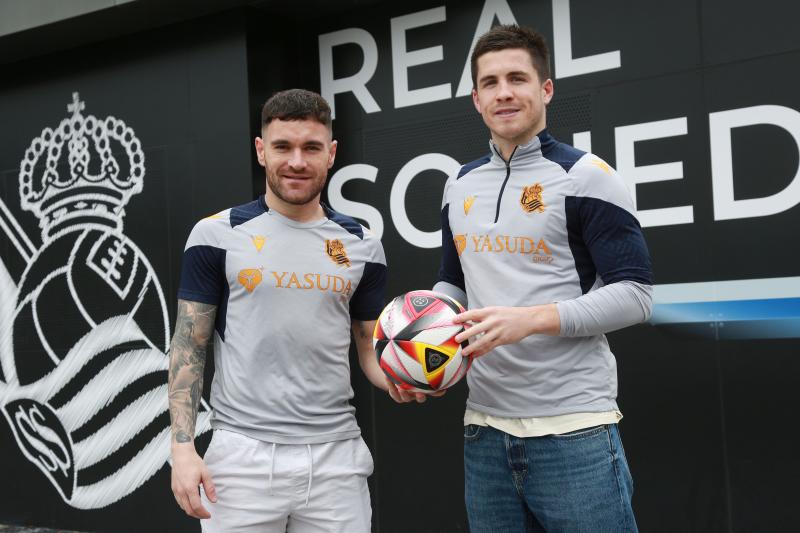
{"points": [[277, 284]]}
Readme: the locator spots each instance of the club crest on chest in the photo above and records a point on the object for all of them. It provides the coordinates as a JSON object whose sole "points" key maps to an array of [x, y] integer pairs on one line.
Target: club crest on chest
{"points": [[335, 250], [531, 199]]}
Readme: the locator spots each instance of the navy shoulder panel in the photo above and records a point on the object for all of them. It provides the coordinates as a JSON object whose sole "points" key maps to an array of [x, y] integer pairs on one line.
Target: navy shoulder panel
{"points": [[450, 267], [473, 165], [367, 301], [558, 152], [348, 223], [606, 239], [242, 213]]}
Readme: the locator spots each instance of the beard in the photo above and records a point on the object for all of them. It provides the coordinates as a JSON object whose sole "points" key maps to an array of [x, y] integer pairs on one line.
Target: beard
{"points": [[295, 196]]}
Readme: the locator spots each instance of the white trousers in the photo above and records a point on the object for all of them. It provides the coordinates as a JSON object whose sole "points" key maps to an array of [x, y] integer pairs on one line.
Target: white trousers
{"points": [[296, 488]]}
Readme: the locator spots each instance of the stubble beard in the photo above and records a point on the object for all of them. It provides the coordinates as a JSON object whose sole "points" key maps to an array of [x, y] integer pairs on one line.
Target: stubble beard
{"points": [[275, 186]]}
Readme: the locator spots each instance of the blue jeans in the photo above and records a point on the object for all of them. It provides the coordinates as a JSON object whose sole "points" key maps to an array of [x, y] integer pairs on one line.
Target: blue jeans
{"points": [[570, 483]]}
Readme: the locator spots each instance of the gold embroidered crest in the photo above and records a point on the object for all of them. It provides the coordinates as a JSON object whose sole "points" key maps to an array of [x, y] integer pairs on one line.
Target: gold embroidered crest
{"points": [[531, 200], [460, 242], [250, 278], [335, 250], [468, 201]]}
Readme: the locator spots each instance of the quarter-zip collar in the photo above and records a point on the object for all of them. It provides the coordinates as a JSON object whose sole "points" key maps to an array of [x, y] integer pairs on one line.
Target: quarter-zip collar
{"points": [[539, 144]]}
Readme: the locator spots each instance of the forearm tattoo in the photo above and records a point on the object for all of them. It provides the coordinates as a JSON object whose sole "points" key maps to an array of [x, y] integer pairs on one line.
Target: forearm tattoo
{"points": [[187, 361], [363, 330]]}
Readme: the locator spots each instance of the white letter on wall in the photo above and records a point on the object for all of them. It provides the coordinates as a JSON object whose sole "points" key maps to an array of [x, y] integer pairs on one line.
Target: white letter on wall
{"points": [[625, 137], [357, 83], [491, 9], [397, 198], [720, 124], [339, 203], [565, 65], [402, 59], [582, 140]]}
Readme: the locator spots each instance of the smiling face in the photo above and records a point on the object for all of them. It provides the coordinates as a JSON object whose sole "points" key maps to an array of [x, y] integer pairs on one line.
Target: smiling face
{"points": [[296, 155], [510, 97]]}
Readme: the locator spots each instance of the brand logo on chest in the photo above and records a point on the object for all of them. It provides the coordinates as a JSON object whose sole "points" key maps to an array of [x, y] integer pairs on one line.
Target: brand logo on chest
{"points": [[258, 241], [460, 242], [250, 278], [468, 201]]}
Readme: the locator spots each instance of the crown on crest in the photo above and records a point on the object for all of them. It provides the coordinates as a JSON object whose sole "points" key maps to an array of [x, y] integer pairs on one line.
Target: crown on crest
{"points": [[90, 182]]}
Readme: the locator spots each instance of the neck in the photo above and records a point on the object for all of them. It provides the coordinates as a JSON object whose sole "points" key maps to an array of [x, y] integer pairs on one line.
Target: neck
{"points": [[307, 212]]}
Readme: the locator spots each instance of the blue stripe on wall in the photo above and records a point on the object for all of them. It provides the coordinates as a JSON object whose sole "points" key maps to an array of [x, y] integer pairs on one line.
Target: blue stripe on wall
{"points": [[735, 319]]}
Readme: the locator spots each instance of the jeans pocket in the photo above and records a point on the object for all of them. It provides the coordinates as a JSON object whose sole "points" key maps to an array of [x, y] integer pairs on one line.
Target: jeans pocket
{"points": [[583, 433], [472, 432]]}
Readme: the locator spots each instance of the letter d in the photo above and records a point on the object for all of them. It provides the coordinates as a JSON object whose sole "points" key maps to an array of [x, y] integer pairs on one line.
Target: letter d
{"points": [[720, 124]]}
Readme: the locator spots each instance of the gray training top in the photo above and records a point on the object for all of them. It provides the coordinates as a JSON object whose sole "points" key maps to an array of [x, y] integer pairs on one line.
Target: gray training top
{"points": [[554, 224], [285, 293]]}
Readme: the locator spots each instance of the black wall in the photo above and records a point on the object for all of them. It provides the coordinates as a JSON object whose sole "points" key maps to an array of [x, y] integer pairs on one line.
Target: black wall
{"points": [[184, 93]]}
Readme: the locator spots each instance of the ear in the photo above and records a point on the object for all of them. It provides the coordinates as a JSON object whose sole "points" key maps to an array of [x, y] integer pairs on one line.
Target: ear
{"points": [[332, 153], [547, 91], [259, 143], [475, 100]]}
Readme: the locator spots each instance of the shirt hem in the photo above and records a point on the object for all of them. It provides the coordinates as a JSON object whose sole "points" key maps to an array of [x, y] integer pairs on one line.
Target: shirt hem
{"points": [[191, 296], [266, 436], [595, 407]]}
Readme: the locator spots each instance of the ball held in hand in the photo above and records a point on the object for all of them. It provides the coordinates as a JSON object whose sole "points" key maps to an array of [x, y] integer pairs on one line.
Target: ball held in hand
{"points": [[415, 342]]}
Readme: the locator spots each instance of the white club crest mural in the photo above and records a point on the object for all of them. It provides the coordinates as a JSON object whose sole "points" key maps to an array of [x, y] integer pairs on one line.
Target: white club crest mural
{"points": [[84, 331]]}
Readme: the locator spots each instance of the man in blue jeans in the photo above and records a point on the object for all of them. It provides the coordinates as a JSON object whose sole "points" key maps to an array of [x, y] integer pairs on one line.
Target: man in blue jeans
{"points": [[544, 241]]}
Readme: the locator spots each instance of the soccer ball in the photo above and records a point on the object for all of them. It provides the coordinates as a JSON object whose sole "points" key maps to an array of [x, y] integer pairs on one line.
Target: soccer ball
{"points": [[414, 341]]}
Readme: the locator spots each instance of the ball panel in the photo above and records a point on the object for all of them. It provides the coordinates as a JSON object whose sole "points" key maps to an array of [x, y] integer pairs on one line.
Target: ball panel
{"points": [[451, 344], [440, 336], [436, 381], [419, 325], [390, 363], [390, 372], [379, 333], [398, 374], [409, 360], [459, 373]]}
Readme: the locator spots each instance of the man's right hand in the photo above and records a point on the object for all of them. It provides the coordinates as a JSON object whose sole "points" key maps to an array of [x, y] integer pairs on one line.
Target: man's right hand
{"points": [[402, 396], [188, 473]]}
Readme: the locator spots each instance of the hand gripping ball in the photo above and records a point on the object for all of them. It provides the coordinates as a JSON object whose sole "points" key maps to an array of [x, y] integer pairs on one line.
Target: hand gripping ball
{"points": [[415, 344]]}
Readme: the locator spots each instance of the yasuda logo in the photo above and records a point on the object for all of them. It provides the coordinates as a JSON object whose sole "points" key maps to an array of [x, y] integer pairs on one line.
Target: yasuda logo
{"points": [[250, 278]]}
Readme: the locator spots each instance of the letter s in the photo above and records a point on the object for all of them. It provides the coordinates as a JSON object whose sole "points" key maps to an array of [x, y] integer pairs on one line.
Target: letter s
{"points": [[338, 202]]}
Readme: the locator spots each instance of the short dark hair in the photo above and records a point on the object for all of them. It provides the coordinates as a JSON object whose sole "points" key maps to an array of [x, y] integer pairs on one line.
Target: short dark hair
{"points": [[296, 104], [512, 36]]}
